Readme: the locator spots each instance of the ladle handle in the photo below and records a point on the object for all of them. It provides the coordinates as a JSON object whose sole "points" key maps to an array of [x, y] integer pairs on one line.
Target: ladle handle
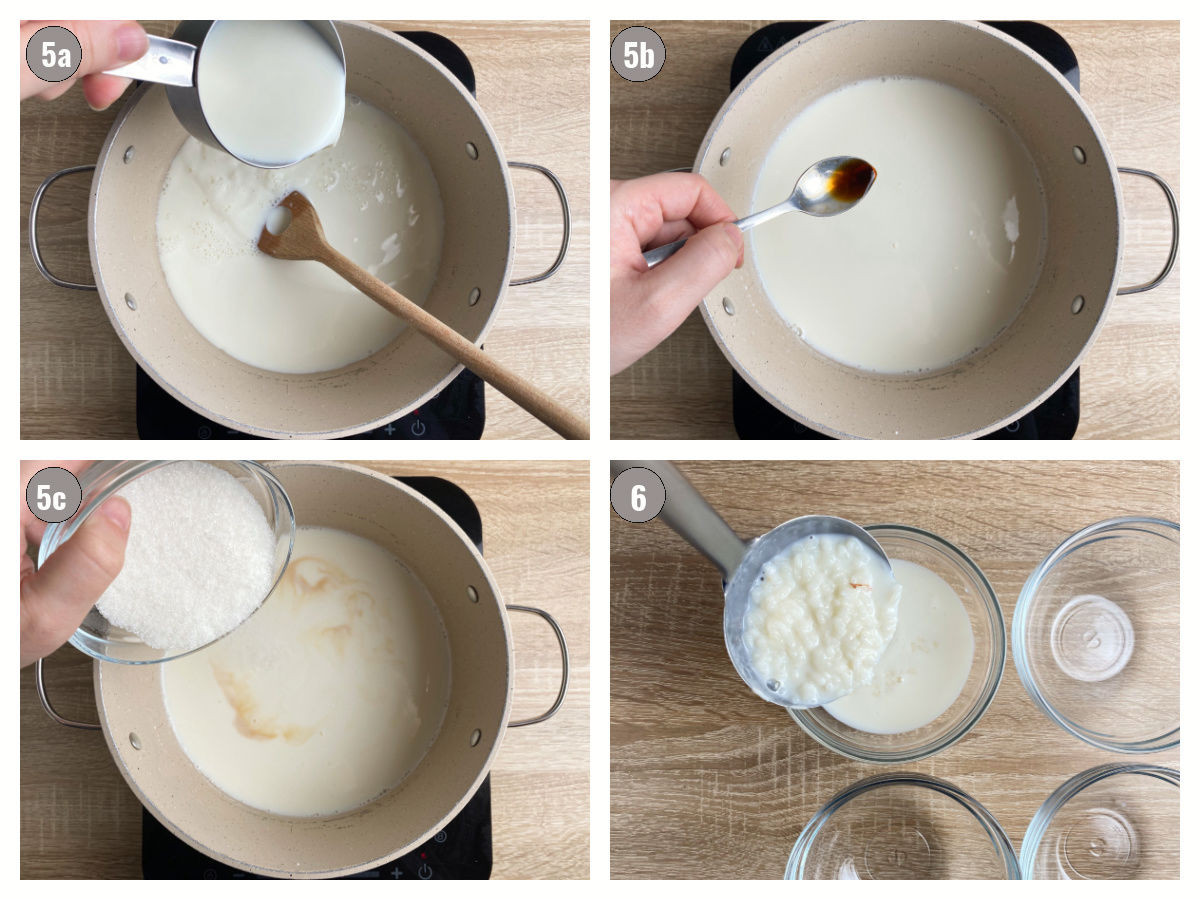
{"points": [[513, 386], [689, 515], [165, 62]]}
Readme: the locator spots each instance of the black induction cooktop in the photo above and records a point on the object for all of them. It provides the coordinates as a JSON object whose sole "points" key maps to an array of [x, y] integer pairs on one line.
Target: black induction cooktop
{"points": [[1057, 417], [456, 413], [461, 850]]}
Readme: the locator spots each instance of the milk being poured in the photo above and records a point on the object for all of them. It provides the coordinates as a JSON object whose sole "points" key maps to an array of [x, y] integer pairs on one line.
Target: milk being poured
{"points": [[272, 92], [925, 667], [378, 202], [329, 695], [936, 260]]}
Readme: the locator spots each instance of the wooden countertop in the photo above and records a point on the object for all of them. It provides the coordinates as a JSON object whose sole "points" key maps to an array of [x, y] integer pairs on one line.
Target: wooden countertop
{"points": [[1129, 79], [77, 380], [80, 820], [707, 780]]}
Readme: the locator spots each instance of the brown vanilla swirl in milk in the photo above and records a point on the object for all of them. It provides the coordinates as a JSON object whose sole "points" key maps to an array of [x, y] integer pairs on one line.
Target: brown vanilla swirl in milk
{"points": [[329, 695]]}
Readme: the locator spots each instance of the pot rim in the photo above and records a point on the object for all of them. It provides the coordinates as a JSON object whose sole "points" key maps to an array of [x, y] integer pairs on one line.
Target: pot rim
{"points": [[110, 155], [99, 669], [708, 311]]}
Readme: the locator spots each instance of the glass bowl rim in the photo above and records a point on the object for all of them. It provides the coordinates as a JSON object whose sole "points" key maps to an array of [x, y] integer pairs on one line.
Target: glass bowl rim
{"points": [[994, 830], [995, 615], [112, 476], [1035, 832], [1020, 624]]}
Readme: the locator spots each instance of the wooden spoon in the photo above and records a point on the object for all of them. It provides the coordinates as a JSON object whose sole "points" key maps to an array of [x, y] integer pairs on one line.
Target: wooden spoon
{"points": [[303, 238]]}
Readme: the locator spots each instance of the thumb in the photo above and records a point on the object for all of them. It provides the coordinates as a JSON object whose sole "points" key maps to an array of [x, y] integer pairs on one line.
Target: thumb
{"points": [[107, 45], [57, 598], [707, 257]]}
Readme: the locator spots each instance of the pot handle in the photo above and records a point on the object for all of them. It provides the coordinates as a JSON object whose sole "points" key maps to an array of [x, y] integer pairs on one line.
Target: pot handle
{"points": [[49, 707], [566, 214], [1166, 270], [566, 665], [33, 244]]}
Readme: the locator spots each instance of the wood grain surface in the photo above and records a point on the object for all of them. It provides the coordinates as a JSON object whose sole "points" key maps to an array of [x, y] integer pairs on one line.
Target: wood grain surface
{"points": [[80, 820], [1130, 81], [709, 781], [77, 380]]}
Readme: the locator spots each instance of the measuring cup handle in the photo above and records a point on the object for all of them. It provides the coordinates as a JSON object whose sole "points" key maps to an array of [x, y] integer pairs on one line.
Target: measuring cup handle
{"points": [[49, 707], [1170, 264], [165, 62], [566, 664], [689, 515], [566, 226]]}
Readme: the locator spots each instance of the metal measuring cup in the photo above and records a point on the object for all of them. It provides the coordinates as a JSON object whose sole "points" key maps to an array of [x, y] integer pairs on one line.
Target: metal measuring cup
{"points": [[173, 63], [690, 516]]}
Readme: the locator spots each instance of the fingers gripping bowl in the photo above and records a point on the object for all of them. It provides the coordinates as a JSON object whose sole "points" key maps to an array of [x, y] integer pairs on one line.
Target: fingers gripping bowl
{"points": [[101, 639]]}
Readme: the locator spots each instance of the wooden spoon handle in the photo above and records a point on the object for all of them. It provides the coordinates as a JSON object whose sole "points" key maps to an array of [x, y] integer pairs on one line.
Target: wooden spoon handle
{"points": [[513, 386]]}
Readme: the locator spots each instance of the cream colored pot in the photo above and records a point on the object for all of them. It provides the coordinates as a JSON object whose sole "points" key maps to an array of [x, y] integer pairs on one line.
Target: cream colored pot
{"points": [[129, 699], [1078, 280], [473, 177]]}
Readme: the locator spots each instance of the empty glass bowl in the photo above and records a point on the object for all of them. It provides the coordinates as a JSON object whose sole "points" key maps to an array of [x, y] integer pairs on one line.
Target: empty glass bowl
{"points": [[1116, 821], [1096, 635], [902, 826], [100, 481], [987, 665]]}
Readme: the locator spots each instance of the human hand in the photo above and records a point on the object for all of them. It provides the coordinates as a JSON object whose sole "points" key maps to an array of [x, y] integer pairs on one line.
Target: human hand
{"points": [[55, 600], [105, 45], [647, 305]]}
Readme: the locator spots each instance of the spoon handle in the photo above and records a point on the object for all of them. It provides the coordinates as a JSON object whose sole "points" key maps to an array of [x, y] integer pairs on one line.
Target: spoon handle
{"points": [[166, 62], [690, 516], [765, 215], [513, 386], [658, 254]]}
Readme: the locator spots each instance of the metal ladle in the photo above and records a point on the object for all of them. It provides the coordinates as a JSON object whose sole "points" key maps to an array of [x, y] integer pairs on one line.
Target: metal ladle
{"points": [[172, 62], [689, 515], [826, 188]]}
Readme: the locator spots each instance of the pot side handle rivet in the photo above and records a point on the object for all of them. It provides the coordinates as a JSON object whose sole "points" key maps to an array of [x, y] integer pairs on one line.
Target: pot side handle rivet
{"points": [[725, 155], [475, 736], [474, 296], [128, 153], [472, 594], [1080, 156], [727, 305], [135, 741], [130, 301], [472, 150], [1077, 305]]}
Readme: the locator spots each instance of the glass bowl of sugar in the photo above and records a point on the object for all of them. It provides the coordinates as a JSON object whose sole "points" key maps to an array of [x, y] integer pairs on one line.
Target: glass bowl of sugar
{"points": [[942, 669], [208, 543], [1096, 635]]}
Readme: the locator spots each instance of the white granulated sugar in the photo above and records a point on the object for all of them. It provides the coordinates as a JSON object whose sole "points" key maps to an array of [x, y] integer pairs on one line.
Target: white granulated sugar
{"points": [[199, 560]]}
